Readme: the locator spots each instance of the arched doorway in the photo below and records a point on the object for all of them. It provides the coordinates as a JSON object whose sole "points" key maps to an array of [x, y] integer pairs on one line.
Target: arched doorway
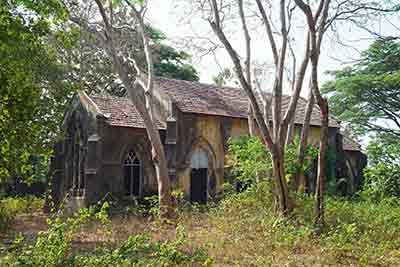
{"points": [[132, 175], [199, 176]]}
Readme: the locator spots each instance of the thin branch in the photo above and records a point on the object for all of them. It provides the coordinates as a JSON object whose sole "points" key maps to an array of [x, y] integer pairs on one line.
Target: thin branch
{"points": [[268, 29]]}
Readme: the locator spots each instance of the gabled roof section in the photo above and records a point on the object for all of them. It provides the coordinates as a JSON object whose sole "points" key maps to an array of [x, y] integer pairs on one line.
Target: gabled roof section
{"points": [[119, 111], [81, 99], [195, 97]]}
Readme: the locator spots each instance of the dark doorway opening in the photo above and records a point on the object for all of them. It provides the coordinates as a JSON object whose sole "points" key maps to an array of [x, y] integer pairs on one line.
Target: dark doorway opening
{"points": [[132, 175], [198, 186]]}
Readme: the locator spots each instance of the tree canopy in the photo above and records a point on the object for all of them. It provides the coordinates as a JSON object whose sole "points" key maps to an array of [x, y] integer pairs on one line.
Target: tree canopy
{"points": [[43, 61], [33, 93], [367, 94], [91, 69]]}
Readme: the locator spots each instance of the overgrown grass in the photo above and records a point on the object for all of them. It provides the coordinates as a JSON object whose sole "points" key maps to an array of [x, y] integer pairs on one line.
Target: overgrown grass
{"points": [[241, 230], [361, 232], [55, 247], [11, 206]]}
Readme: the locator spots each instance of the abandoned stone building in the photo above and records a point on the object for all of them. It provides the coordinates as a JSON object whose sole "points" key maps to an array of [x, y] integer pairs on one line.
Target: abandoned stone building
{"points": [[106, 151]]}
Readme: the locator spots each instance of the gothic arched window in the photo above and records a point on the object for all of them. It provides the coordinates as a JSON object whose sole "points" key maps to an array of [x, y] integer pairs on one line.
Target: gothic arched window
{"points": [[78, 182], [132, 174]]}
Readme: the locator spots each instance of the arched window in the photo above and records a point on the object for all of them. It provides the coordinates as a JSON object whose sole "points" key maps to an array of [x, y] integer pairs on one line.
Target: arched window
{"points": [[132, 174], [78, 182], [199, 176], [199, 159]]}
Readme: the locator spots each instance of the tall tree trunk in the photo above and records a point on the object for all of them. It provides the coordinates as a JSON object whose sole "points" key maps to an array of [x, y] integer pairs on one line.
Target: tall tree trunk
{"points": [[316, 34], [300, 180], [251, 121], [274, 141], [323, 146], [282, 192], [290, 132], [157, 148], [143, 83]]}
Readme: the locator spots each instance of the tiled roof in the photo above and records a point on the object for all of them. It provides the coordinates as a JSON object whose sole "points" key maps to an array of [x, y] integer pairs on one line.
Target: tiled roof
{"points": [[195, 97], [349, 144], [120, 112]]}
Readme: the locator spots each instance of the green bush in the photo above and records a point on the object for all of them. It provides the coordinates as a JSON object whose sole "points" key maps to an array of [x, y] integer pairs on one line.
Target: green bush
{"points": [[15, 205], [54, 247], [5, 218], [11, 206], [382, 177], [356, 231], [251, 161]]}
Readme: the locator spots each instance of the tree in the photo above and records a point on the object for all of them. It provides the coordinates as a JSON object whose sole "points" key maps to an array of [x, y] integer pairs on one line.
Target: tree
{"points": [[170, 63], [316, 22], [111, 22], [91, 69], [273, 138], [279, 20], [382, 176], [366, 95], [33, 93]]}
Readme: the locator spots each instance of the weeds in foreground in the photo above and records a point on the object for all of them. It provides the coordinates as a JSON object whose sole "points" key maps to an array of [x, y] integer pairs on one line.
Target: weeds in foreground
{"points": [[357, 232], [11, 206], [242, 230], [54, 247]]}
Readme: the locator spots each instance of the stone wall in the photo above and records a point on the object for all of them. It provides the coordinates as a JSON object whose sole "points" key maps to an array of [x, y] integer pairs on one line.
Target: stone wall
{"points": [[78, 122], [104, 148], [211, 133], [116, 143]]}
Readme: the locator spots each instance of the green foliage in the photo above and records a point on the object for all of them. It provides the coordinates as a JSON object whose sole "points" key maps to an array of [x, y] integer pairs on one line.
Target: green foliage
{"points": [[171, 64], [12, 206], [366, 93], [364, 229], [15, 205], [224, 77], [251, 160], [140, 251], [54, 247], [382, 176], [32, 89], [358, 233], [291, 154]]}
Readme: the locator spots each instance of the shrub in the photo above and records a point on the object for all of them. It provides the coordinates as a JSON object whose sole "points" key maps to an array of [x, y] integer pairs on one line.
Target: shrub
{"points": [[11, 206], [54, 247], [251, 160], [26, 204], [5, 218], [382, 177]]}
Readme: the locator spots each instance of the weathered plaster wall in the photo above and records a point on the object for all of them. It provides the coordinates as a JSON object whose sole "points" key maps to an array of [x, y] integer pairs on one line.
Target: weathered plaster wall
{"points": [[105, 148], [357, 162], [116, 142], [209, 133], [79, 120], [212, 133]]}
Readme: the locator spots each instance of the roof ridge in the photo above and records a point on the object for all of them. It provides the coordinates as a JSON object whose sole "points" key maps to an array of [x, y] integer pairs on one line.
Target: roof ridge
{"points": [[199, 83]]}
